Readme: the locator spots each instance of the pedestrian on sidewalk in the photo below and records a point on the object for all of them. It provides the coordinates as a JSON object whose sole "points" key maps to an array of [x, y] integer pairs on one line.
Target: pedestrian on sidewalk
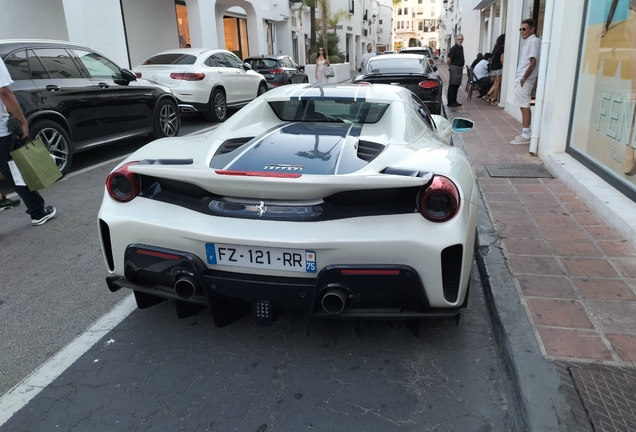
{"points": [[366, 56], [526, 78], [455, 61], [9, 104], [482, 74], [496, 70], [322, 61]]}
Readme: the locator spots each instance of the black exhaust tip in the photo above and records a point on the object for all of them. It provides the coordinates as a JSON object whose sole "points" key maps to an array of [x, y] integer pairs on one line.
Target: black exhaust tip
{"points": [[186, 287], [334, 301]]}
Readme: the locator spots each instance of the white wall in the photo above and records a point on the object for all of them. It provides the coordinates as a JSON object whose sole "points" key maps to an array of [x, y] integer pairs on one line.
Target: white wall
{"points": [[151, 26], [33, 19], [101, 27]]}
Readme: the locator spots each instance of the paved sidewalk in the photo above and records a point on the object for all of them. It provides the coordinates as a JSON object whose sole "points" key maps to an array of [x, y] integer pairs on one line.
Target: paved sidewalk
{"points": [[574, 276]]}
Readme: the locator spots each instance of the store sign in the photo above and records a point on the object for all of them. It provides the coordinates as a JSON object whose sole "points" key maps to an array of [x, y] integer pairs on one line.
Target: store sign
{"points": [[602, 127]]}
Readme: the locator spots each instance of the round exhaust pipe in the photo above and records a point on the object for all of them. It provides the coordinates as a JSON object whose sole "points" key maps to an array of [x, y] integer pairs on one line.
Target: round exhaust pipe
{"points": [[334, 301], [186, 287]]}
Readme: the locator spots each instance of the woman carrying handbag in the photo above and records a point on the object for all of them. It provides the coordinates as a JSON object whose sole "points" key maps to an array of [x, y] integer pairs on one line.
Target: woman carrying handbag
{"points": [[322, 61]]}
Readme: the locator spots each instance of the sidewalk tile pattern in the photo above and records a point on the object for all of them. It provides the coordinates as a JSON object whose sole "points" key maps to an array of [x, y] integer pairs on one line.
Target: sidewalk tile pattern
{"points": [[574, 274]]}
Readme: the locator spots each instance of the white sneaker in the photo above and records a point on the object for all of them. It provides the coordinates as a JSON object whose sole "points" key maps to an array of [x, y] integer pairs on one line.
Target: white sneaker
{"points": [[520, 140]]}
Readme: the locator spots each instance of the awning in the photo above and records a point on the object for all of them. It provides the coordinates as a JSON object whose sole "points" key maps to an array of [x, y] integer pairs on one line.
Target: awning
{"points": [[484, 4]]}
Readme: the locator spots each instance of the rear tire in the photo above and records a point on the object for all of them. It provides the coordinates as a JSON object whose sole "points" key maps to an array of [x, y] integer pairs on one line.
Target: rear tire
{"points": [[167, 120], [218, 107], [56, 140], [262, 88]]}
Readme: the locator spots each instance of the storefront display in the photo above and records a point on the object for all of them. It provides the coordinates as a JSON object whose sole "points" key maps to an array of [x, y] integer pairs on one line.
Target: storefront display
{"points": [[602, 127]]}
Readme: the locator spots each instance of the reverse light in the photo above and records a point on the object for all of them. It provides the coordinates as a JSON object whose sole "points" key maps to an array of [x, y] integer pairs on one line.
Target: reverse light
{"points": [[439, 202], [187, 76], [429, 84], [123, 185], [275, 71]]}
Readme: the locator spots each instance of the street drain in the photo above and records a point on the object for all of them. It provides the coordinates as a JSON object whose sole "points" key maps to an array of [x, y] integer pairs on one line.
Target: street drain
{"points": [[518, 170]]}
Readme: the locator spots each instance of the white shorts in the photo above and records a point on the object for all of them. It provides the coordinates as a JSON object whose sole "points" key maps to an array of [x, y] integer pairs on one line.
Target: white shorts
{"points": [[524, 94]]}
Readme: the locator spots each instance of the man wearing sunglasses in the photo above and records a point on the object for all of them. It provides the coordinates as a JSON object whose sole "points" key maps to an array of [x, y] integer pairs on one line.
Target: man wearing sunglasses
{"points": [[527, 71]]}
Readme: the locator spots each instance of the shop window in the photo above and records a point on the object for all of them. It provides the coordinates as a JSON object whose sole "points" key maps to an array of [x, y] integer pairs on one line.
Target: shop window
{"points": [[399, 11], [183, 25], [236, 41]]}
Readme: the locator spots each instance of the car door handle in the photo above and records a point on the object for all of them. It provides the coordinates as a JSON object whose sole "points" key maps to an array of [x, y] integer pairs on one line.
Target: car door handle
{"points": [[53, 88], [103, 85]]}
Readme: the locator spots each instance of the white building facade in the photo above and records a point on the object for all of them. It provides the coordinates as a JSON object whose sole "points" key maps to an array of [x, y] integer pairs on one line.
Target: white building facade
{"points": [[416, 23], [584, 108]]}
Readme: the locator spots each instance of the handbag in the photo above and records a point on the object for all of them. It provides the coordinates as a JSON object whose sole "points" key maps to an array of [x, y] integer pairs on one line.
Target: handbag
{"points": [[329, 72], [36, 165]]}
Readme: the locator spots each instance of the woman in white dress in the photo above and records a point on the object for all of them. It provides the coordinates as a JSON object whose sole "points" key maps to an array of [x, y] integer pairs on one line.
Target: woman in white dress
{"points": [[321, 61]]}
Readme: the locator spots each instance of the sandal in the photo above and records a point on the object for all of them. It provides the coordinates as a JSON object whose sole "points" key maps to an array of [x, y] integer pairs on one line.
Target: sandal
{"points": [[494, 102]]}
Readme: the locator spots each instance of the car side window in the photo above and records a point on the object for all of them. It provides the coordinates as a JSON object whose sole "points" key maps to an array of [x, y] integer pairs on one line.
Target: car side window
{"points": [[58, 63], [424, 113], [220, 60], [293, 63], [18, 65], [234, 61], [37, 68], [211, 62], [98, 66]]}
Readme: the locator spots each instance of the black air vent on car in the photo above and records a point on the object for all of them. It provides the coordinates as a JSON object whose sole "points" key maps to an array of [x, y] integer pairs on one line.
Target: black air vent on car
{"points": [[368, 151], [451, 271], [232, 144]]}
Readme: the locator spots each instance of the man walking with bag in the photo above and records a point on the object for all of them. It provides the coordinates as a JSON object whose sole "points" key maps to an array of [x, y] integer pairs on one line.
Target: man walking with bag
{"points": [[455, 63], [8, 104]]}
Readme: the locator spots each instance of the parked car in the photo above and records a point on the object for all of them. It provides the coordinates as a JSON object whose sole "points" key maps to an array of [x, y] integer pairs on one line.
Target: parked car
{"points": [[411, 71], [204, 80], [75, 98], [278, 70], [422, 50], [343, 201]]}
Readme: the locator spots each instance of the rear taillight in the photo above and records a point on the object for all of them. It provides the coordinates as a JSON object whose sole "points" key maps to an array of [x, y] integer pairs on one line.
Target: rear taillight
{"points": [[431, 61], [439, 202], [138, 74], [275, 71], [362, 82], [123, 185], [429, 84], [187, 76]]}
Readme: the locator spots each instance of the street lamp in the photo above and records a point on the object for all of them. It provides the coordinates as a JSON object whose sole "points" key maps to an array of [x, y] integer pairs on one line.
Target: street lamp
{"points": [[447, 7]]}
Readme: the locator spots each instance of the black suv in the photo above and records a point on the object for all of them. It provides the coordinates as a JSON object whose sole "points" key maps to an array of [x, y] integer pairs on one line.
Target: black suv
{"points": [[76, 99]]}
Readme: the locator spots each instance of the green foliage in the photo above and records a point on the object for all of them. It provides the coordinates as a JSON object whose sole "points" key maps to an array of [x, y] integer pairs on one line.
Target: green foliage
{"points": [[332, 48]]}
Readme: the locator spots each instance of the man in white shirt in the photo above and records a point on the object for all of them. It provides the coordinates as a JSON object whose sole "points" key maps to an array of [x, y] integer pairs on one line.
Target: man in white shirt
{"points": [[481, 74], [526, 77], [367, 55], [9, 104]]}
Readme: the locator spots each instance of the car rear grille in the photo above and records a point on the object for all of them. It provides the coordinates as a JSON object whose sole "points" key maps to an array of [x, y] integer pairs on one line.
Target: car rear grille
{"points": [[368, 151], [232, 144], [451, 271]]}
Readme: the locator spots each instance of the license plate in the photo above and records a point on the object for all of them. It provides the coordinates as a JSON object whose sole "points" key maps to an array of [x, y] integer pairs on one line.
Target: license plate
{"points": [[297, 260]]}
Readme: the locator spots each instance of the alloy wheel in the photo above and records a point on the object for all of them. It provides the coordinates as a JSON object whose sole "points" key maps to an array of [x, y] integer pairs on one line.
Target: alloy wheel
{"points": [[219, 105], [168, 120], [56, 144]]}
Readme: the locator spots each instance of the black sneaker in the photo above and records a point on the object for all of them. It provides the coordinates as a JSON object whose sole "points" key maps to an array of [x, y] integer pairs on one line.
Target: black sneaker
{"points": [[49, 212], [7, 203]]}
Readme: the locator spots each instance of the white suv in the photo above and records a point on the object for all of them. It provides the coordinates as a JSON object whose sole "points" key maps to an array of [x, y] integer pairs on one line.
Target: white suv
{"points": [[204, 80]]}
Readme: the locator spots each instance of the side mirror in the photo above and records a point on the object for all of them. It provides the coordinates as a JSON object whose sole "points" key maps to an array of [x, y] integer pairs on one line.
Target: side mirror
{"points": [[247, 66], [128, 75], [301, 68], [461, 125]]}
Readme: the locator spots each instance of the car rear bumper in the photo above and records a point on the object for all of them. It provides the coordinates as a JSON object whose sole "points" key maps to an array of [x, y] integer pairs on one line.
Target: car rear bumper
{"points": [[387, 292]]}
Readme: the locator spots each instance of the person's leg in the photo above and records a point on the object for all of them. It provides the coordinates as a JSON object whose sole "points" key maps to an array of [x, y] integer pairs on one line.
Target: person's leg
{"points": [[452, 94], [32, 200], [526, 117]]}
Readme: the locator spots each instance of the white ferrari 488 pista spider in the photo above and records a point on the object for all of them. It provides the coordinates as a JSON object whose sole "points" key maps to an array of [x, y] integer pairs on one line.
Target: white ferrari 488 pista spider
{"points": [[344, 201]]}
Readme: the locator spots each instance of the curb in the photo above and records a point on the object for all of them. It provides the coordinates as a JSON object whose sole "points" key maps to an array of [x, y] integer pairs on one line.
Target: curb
{"points": [[536, 395]]}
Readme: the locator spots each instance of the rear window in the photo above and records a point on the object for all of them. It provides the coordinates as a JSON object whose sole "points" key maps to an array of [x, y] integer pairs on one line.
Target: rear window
{"points": [[329, 110], [416, 51], [171, 59], [262, 63], [396, 65]]}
